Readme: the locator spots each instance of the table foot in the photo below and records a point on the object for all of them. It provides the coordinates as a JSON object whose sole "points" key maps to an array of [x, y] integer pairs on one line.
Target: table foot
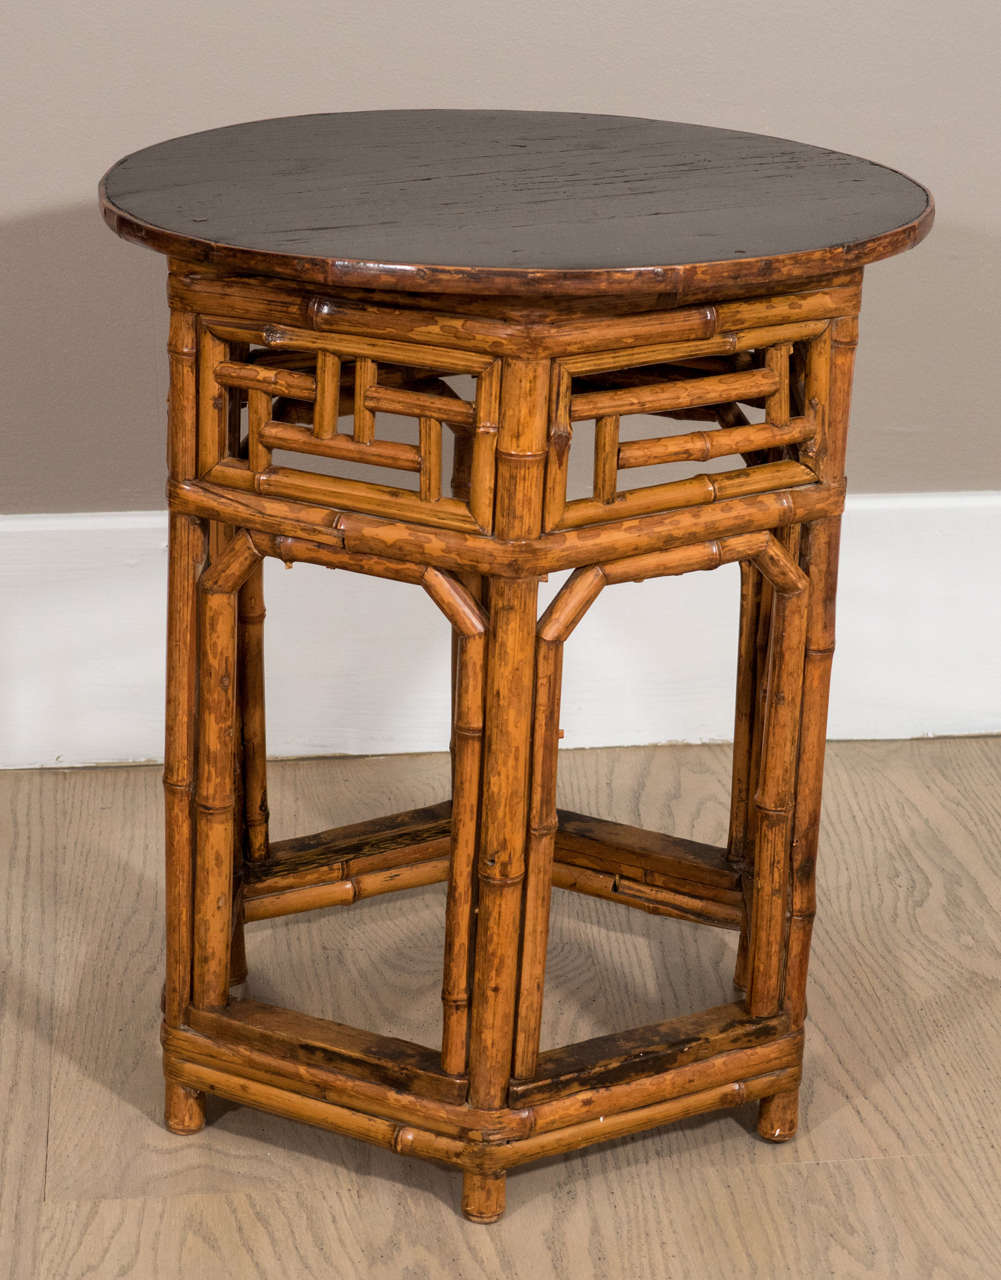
{"points": [[778, 1116], [483, 1196], [184, 1108]]}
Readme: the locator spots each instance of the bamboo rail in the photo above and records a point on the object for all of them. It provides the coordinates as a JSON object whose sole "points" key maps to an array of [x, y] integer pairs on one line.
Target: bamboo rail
{"points": [[408, 354], [649, 856], [375, 453], [458, 551], [696, 491], [484, 1163], [421, 404], [275, 381], [700, 446], [751, 338], [222, 1044], [658, 900], [286, 303], [687, 394]]}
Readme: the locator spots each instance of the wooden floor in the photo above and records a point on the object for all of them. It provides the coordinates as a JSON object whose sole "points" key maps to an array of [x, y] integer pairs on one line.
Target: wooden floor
{"points": [[896, 1170]]}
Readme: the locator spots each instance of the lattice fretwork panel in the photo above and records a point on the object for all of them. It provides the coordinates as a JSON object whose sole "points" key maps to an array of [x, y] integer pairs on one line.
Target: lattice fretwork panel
{"points": [[268, 393], [717, 387]]}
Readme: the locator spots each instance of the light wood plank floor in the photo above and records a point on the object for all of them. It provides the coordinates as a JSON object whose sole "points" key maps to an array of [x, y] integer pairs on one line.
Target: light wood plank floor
{"points": [[896, 1171]]}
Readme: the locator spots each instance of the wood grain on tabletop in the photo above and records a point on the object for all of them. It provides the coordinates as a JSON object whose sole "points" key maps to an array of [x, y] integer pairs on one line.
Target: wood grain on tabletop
{"points": [[508, 201]]}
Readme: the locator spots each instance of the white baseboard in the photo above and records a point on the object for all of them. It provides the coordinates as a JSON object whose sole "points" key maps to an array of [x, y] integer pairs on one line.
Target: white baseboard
{"points": [[358, 665]]}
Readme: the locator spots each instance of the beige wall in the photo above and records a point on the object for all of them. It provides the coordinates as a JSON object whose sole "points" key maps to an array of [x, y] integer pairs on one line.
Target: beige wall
{"points": [[913, 85]]}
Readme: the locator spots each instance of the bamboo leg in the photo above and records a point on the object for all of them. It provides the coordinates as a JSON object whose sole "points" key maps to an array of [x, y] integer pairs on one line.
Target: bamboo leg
{"points": [[483, 1196], [830, 374], [216, 797], [820, 561], [238, 948], [764, 618], [769, 940], [462, 457], [521, 459], [743, 786], [501, 860], [778, 1116], [213, 921], [184, 1109], [251, 662], [468, 671], [462, 461], [554, 629], [774, 797], [740, 842], [829, 369], [542, 824], [187, 551], [761, 618]]}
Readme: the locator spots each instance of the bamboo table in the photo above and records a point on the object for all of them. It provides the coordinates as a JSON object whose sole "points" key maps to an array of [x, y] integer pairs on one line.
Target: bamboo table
{"points": [[574, 271]]}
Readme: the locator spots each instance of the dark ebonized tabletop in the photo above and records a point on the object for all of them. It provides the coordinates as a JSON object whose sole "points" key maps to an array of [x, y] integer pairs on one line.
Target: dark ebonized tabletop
{"points": [[513, 202]]}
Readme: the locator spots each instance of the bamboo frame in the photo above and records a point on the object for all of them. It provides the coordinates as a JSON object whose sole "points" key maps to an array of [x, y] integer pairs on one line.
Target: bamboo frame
{"points": [[487, 1100]]}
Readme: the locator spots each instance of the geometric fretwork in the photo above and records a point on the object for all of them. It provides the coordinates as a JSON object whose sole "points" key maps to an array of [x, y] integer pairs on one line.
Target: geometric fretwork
{"points": [[267, 389], [703, 383]]}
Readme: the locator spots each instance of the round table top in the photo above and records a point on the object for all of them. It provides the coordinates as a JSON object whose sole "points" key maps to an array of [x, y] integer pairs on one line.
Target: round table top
{"points": [[511, 202]]}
